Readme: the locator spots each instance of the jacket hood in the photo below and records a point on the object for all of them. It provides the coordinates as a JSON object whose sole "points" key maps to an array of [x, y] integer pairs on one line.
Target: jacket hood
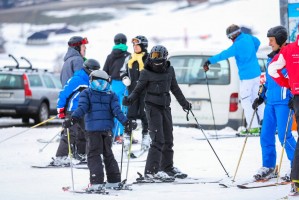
{"points": [[71, 53]]}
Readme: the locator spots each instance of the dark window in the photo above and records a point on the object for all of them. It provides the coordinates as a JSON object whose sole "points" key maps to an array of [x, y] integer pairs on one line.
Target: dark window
{"points": [[35, 80], [188, 70], [11, 81]]}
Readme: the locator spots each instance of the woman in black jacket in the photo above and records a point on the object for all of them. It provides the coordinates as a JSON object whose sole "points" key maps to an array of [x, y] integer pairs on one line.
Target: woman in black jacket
{"points": [[157, 80]]}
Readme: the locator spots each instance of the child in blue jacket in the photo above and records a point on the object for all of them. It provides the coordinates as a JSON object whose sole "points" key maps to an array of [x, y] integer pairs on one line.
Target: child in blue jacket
{"points": [[98, 105]]}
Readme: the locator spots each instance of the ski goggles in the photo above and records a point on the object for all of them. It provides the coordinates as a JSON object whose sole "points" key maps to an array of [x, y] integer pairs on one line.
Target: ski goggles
{"points": [[83, 41], [136, 41], [230, 36], [156, 55]]}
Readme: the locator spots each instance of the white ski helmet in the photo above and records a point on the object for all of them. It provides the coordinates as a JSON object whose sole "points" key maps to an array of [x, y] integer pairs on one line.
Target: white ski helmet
{"points": [[99, 80]]}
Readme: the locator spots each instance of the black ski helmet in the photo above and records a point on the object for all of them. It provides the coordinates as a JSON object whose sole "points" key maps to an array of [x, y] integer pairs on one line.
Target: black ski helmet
{"points": [[76, 41], [158, 52], [91, 65], [141, 41], [120, 38], [233, 31], [280, 33]]}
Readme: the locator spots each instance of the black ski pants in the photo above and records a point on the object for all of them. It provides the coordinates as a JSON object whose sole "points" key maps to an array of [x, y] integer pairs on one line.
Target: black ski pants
{"points": [[295, 165], [99, 143], [160, 155], [137, 111], [77, 140]]}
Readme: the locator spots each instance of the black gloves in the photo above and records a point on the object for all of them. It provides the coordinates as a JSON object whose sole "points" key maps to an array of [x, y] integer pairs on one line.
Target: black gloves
{"points": [[68, 122], [258, 101], [127, 101], [291, 103], [187, 106], [129, 126], [206, 66]]}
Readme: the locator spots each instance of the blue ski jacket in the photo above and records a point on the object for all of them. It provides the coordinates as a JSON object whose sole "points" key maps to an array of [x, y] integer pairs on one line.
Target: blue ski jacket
{"points": [[69, 96], [244, 50], [99, 109]]}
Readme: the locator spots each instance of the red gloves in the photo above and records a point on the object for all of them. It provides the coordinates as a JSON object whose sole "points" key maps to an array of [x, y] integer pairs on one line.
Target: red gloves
{"points": [[60, 113]]}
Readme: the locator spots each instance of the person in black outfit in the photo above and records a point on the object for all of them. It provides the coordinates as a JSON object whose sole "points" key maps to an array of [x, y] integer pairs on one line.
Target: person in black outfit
{"points": [[116, 62], [134, 68], [157, 80]]}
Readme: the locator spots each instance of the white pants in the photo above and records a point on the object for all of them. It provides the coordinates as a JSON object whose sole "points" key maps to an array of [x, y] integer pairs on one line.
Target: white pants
{"points": [[249, 92]]}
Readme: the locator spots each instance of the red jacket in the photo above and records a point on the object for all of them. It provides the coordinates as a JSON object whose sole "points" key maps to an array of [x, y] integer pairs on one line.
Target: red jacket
{"points": [[288, 58]]}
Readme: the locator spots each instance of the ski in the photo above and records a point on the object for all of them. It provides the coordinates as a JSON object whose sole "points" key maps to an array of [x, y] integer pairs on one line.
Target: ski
{"points": [[138, 153], [48, 141], [75, 165], [85, 191], [228, 185], [262, 185], [188, 180]]}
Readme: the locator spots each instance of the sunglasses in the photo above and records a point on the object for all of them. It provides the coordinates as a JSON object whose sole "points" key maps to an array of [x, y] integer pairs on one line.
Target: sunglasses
{"points": [[230, 36], [136, 41]]}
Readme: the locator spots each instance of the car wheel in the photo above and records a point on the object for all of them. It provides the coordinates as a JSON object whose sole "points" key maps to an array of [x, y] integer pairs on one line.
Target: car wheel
{"points": [[43, 113], [25, 120]]}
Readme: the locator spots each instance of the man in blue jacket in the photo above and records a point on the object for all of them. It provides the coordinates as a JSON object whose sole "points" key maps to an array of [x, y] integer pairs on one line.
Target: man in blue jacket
{"points": [[244, 50], [277, 114], [68, 102]]}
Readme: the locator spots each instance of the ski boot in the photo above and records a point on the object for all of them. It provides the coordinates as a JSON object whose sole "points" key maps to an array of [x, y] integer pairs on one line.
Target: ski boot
{"points": [[176, 173], [160, 176], [62, 161], [265, 173], [96, 188]]}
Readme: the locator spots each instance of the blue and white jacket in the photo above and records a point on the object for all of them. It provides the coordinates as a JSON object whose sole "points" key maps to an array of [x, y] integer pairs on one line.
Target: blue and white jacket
{"points": [[274, 93], [69, 96], [244, 50]]}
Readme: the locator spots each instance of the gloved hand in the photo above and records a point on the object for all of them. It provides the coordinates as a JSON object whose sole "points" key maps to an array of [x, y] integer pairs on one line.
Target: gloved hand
{"points": [[291, 103], [68, 122], [258, 101], [206, 66], [187, 106], [60, 113], [129, 126], [127, 101]]}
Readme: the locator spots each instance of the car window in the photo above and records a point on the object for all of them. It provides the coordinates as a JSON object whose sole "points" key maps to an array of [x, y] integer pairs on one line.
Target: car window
{"points": [[189, 70], [48, 81], [11, 81], [35, 80], [57, 81]]}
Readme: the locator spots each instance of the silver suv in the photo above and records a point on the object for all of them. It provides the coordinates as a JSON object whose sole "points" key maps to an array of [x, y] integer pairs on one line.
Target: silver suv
{"points": [[26, 92]]}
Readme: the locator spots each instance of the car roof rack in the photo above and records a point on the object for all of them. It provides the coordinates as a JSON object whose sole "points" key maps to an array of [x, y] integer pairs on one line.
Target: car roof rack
{"points": [[17, 66]]}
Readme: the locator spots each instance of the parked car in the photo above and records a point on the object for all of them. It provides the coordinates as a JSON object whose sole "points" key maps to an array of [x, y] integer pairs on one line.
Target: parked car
{"points": [[27, 93], [222, 83]]}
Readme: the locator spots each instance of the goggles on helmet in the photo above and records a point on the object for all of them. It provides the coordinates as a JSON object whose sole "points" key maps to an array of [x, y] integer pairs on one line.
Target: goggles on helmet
{"points": [[136, 41], [230, 36], [98, 78], [83, 41], [156, 55]]}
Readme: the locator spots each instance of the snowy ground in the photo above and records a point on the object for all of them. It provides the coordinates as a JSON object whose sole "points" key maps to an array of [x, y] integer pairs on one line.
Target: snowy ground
{"points": [[195, 157]]}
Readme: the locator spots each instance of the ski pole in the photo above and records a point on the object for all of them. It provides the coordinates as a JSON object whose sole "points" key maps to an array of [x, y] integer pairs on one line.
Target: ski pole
{"points": [[245, 141], [209, 143], [284, 144], [71, 156], [129, 155], [40, 150], [121, 158], [211, 105], [32, 127]]}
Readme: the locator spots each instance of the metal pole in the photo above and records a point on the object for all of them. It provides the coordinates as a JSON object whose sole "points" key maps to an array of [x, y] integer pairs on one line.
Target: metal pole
{"points": [[29, 129]]}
